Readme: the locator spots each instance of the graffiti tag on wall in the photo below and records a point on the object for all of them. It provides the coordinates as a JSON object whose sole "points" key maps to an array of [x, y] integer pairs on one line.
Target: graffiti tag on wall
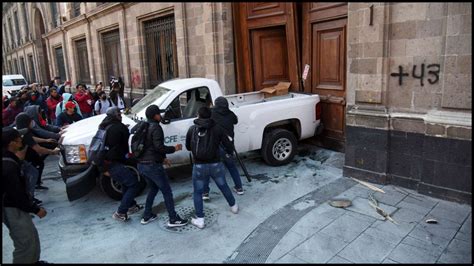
{"points": [[433, 70]]}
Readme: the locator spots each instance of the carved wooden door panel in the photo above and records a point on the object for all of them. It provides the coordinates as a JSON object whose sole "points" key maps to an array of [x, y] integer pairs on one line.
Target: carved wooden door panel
{"points": [[266, 45], [324, 49]]}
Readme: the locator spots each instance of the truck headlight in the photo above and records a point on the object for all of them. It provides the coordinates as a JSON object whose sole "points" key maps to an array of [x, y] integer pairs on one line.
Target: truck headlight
{"points": [[75, 153]]}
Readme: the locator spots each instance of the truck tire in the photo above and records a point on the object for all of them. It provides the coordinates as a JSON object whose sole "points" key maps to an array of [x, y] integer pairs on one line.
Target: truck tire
{"points": [[113, 189], [279, 147]]}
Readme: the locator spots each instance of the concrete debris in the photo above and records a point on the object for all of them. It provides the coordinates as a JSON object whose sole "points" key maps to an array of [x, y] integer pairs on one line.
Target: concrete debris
{"points": [[431, 221], [340, 203], [374, 203]]}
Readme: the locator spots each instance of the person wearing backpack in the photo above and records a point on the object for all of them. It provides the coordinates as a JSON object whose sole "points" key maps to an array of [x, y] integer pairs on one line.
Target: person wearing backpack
{"points": [[203, 140], [17, 203], [103, 103], [69, 116], [150, 164], [225, 118], [116, 140]]}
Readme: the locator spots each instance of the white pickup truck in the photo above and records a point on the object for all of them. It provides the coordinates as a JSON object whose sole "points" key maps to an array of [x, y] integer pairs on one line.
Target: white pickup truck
{"points": [[272, 124]]}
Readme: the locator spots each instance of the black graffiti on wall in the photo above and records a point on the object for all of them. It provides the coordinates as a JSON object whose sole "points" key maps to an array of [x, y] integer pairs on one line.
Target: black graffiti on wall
{"points": [[433, 69]]}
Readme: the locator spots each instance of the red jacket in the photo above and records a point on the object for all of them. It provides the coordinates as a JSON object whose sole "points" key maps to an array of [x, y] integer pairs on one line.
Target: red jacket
{"points": [[82, 100], [51, 102]]}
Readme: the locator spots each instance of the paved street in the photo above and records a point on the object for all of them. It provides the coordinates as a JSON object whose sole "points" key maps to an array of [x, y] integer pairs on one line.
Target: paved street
{"points": [[284, 217]]}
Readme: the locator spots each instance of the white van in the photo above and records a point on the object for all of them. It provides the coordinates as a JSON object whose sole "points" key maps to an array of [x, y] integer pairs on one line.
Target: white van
{"points": [[12, 84]]}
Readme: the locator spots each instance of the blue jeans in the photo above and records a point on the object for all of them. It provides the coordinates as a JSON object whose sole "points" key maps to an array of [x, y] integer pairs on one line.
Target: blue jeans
{"points": [[230, 165], [157, 179], [201, 175], [129, 182]]}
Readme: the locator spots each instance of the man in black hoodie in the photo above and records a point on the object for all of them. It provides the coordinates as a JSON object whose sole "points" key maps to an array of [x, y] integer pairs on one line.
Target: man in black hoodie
{"points": [[226, 119], [151, 167], [17, 202], [203, 140], [117, 141]]}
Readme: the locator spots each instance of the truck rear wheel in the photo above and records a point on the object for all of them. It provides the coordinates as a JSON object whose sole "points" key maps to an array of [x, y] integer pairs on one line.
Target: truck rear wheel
{"points": [[279, 147], [113, 189]]}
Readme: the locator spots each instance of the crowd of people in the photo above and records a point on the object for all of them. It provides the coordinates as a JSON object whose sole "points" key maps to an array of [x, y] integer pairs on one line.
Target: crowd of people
{"points": [[35, 119]]}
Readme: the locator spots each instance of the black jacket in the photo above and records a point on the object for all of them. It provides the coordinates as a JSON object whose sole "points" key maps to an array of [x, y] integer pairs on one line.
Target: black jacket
{"points": [[116, 140], [225, 118], [48, 131], [155, 148], [14, 185], [218, 136]]}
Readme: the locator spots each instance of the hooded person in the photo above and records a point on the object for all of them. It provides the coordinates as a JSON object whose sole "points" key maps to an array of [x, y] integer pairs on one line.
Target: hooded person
{"points": [[36, 98], [69, 116], [61, 107], [225, 118], [115, 160], [12, 110], [40, 127], [203, 140]]}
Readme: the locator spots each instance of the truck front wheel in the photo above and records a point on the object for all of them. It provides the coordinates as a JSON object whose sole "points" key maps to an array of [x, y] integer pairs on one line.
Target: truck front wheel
{"points": [[113, 189], [279, 147]]}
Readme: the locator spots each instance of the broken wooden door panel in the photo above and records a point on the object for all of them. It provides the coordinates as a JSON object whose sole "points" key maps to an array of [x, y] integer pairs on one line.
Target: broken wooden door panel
{"points": [[324, 49], [269, 62], [266, 45]]}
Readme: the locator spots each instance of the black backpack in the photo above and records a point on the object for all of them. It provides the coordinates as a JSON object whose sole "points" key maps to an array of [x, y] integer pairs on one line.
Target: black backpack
{"points": [[202, 145], [97, 148], [139, 132]]}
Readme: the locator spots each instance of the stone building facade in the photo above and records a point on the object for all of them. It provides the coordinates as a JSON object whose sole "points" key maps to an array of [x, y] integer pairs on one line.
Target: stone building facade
{"points": [[202, 41], [408, 78]]}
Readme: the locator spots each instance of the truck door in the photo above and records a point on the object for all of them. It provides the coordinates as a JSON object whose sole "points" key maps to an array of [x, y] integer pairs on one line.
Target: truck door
{"points": [[181, 112]]}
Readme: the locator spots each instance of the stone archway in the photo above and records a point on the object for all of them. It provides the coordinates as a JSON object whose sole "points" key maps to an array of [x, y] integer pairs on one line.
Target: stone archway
{"points": [[41, 48]]}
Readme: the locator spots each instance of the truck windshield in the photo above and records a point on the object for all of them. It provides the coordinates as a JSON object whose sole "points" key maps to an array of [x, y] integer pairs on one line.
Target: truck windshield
{"points": [[13, 82], [148, 99]]}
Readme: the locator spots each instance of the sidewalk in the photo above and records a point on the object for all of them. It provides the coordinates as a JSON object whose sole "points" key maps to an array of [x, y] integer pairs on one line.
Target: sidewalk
{"points": [[284, 217]]}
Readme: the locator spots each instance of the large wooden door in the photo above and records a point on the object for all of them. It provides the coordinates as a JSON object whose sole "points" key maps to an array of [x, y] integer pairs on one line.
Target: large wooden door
{"points": [[266, 45], [324, 49]]}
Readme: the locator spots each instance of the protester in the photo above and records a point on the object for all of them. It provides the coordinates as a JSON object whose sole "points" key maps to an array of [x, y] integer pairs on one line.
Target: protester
{"points": [[40, 127], [17, 203], [69, 116], [203, 140], [98, 88], [102, 104], [53, 100], [61, 107], [116, 97], [62, 88], [117, 141], [150, 165], [12, 110], [226, 119], [37, 98], [35, 153], [84, 99]]}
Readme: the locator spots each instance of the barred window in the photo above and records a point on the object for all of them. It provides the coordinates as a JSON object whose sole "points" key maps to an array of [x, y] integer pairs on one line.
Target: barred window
{"points": [[23, 69], [15, 66], [76, 9], [160, 44], [12, 43], [112, 54], [60, 62], [26, 19], [32, 68], [83, 72], [17, 28], [54, 14]]}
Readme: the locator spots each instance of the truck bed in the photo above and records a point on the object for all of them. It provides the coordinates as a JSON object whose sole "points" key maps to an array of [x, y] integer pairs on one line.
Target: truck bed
{"points": [[249, 98]]}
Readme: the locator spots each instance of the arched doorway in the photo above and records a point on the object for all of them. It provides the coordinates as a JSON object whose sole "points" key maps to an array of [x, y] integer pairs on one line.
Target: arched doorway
{"points": [[40, 44]]}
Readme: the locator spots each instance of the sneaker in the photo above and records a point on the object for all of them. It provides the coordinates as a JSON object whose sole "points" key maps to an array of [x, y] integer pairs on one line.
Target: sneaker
{"points": [[134, 209], [148, 219], [42, 262], [235, 208], [205, 196], [41, 187], [120, 217], [239, 191], [37, 201], [198, 222], [177, 222]]}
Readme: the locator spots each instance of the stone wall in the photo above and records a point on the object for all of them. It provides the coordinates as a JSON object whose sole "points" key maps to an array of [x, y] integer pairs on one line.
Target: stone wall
{"points": [[430, 110]]}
